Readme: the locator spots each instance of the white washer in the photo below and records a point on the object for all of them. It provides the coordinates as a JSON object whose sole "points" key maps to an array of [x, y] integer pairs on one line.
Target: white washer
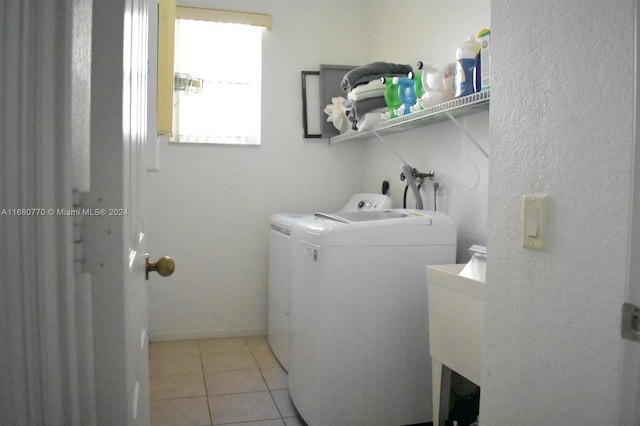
{"points": [[280, 258], [360, 332]]}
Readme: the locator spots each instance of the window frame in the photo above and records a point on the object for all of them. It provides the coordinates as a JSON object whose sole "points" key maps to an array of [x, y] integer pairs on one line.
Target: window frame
{"points": [[168, 12]]}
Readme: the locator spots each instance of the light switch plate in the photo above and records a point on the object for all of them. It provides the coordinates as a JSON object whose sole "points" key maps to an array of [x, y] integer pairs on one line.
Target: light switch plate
{"points": [[534, 222]]}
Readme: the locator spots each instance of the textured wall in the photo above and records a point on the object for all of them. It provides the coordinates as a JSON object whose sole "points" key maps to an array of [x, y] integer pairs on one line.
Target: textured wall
{"points": [[561, 124]]}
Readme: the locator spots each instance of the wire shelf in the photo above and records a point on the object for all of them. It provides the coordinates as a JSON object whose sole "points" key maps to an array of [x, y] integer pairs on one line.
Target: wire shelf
{"points": [[458, 107]]}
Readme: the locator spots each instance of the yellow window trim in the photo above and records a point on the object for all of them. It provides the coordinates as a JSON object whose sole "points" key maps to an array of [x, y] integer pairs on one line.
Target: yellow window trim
{"points": [[168, 12], [166, 37], [228, 16]]}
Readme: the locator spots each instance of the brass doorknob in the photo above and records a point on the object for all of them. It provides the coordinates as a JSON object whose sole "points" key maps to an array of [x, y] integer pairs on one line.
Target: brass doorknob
{"points": [[164, 266]]}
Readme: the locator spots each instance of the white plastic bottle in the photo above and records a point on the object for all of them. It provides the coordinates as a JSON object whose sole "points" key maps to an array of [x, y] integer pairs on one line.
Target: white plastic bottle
{"points": [[466, 67], [433, 84]]}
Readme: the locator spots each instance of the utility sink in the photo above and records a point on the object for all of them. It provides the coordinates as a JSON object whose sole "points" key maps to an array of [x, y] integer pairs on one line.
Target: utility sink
{"points": [[456, 328]]}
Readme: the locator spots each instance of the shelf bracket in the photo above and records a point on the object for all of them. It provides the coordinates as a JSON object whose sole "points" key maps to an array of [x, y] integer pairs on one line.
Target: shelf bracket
{"points": [[467, 134]]}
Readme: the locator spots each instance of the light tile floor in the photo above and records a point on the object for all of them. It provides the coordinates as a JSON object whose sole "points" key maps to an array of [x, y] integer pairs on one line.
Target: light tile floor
{"points": [[224, 381]]}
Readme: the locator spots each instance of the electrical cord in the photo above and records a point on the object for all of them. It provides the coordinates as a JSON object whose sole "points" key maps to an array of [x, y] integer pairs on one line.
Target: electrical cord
{"points": [[436, 185], [404, 199]]}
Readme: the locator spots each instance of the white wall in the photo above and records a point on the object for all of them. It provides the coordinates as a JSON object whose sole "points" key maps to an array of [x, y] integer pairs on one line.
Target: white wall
{"points": [[431, 31], [209, 206], [561, 124], [460, 168]]}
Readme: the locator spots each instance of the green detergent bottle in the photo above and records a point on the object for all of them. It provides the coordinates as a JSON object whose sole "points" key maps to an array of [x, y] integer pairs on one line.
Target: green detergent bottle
{"points": [[391, 95], [418, 87]]}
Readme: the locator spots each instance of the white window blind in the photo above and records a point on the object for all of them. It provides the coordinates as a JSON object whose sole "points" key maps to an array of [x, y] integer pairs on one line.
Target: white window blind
{"points": [[218, 68]]}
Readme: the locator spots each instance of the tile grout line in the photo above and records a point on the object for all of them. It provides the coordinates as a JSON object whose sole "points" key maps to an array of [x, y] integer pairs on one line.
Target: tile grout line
{"points": [[206, 389], [266, 384]]}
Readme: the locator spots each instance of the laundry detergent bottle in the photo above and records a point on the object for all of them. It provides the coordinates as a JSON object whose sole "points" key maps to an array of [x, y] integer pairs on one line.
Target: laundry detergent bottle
{"points": [[466, 55], [391, 95], [418, 87], [406, 93]]}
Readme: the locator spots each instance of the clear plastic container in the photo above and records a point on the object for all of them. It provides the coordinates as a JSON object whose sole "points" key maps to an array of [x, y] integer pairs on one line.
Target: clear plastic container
{"points": [[448, 78]]}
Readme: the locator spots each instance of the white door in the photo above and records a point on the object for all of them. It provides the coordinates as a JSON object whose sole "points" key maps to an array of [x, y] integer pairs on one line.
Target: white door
{"points": [[116, 240], [49, 372], [630, 375], [629, 409]]}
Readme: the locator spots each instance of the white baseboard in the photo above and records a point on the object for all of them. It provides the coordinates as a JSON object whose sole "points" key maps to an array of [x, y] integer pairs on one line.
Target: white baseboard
{"points": [[161, 336]]}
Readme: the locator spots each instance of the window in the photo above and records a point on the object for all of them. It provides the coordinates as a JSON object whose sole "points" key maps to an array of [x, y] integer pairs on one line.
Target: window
{"points": [[217, 70], [216, 78]]}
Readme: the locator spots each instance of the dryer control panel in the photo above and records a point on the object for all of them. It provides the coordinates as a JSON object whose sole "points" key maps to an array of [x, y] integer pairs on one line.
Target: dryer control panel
{"points": [[368, 201]]}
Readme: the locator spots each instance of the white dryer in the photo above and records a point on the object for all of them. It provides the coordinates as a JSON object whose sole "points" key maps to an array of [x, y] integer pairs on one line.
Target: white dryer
{"points": [[359, 318], [280, 270]]}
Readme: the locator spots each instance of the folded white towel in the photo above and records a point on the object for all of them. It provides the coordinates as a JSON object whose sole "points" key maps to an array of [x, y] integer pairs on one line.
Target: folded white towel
{"points": [[366, 95], [371, 89]]}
